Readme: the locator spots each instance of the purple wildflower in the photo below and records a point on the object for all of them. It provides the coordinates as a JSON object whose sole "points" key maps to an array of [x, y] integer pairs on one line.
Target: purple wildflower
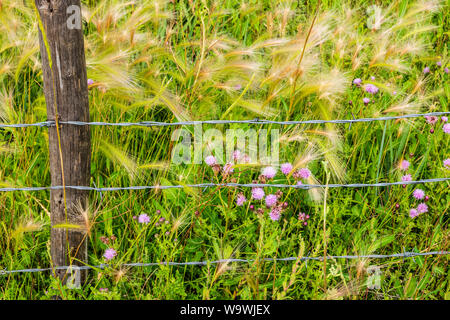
{"points": [[406, 178], [419, 194], [271, 200], [431, 119], [357, 82], [447, 163], [90, 82], [372, 78], [446, 128], [404, 165], [370, 88], [109, 254], [304, 173], [439, 64], [257, 193], [143, 218], [366, 100], [228, 168], [240, 200], [275, 214], [103, 289], [413, 213], [286, 168], [446, 70], [210, 160], [422, 208], [269, 172], [303, 216], [426, 70], [444, 119]]}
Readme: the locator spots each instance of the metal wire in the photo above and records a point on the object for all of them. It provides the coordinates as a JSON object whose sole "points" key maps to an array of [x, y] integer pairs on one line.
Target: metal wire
{"points": [[203, 263], [206, 185], [185, 123], [240, 185]]}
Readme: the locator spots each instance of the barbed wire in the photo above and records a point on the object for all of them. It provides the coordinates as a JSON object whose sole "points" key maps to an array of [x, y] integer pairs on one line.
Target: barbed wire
{"points": [[251, 121], [206, 185], [203, 263], [242, 185]]}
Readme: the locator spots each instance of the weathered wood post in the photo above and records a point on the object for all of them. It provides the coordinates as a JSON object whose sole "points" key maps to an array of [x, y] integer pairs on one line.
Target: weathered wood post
{"points": [[66, 94]]}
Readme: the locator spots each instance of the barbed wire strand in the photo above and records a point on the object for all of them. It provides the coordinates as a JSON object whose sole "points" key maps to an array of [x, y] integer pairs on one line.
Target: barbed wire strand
{"points": [[203, 263], [237, 185], [251, 121]]}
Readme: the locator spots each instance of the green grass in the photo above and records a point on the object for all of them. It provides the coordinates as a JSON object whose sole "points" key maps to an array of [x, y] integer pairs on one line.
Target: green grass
{"points": [[167, 72]]}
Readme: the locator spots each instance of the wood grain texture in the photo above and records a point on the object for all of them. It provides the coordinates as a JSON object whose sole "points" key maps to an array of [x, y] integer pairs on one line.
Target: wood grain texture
{"points": [[65, 84]]}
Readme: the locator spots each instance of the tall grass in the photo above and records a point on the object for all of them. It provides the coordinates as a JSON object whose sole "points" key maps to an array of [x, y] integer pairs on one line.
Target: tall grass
{"points": [[197, 60]]}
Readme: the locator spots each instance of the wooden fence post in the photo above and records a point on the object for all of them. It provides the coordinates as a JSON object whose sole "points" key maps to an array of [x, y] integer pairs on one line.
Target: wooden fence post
{"points": [[66, 95]]}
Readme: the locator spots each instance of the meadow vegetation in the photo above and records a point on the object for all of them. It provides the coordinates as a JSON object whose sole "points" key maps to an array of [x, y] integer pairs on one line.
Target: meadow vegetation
{"points": [[278, 60]]}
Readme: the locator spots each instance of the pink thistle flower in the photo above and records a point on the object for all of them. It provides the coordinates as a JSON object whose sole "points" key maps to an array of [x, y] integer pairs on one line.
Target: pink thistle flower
{"points": [[404, 165], [422, 208], [446, 128], [143, 218], [286, 168], [269, 172], [444, 119], [431, 119], [109, 254], [90, 82], [240, 200], [372, 78], [299, 183], [426, 70], [370, 88], [439, 64], [228, 168], [210, 160], [304, 173], [366, 100], [446, 70], [407, 178], [413, 213], [271, 200], [447, 163], [419, 194], [275, 214], [258, 193], [357, 82]]}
